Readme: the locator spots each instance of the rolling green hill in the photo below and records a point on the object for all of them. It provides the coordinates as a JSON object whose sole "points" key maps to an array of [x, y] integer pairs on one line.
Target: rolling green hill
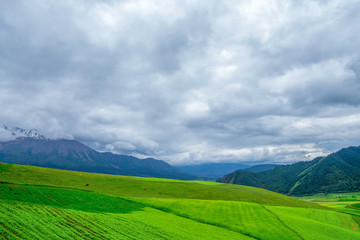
{"points": [[125, 186], [41, 203], [338, 172]]}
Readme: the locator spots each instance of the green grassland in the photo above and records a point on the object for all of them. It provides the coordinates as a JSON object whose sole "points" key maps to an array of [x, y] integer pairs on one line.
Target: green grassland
{"points": [[35, 212], [262, 221], [124, 186], [334, 197], [41, 203], [342, 202]]}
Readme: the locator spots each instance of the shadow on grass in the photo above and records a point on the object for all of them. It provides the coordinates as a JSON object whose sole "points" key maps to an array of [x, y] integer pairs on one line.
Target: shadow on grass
{"points": [[66, 198]]}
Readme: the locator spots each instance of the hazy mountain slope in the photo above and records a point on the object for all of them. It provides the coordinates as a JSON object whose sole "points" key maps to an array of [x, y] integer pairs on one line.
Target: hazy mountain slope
{"points": [[212, 169], [261, 167], [338, 172], [73, 155]]}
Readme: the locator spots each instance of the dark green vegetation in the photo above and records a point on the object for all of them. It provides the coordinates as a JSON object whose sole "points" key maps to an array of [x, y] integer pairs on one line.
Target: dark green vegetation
{"points": [[40, 203], [338, 172], [73, 155]]}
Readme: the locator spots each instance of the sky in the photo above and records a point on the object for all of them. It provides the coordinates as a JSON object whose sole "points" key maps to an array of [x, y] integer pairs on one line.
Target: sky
{"points": [[188, 81]]}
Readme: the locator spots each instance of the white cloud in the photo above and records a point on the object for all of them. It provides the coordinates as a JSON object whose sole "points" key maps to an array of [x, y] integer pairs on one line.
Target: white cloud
{"points": [[186, 81], [6, 135]]}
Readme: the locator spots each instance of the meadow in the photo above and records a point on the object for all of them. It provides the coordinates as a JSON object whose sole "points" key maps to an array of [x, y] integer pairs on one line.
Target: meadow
{"points": [[341, 202], [40, 203]]}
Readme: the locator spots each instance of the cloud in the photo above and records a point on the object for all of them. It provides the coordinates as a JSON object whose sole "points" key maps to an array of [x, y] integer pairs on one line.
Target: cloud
{"points": [[185, 81], [5, 135], [325, 83]]}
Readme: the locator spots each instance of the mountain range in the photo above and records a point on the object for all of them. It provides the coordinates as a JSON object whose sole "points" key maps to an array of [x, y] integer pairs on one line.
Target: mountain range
{"points": [[212, 170], [337, 172], [31, 148]]}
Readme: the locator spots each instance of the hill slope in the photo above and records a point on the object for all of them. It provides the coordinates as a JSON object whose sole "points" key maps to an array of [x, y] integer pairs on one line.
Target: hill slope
{"points": [[338, 172], [73, 155], [126, 186], [40, 203]]}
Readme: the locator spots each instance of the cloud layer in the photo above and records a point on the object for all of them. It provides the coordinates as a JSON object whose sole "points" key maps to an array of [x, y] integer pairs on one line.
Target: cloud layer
{"points": [[185, 81]]}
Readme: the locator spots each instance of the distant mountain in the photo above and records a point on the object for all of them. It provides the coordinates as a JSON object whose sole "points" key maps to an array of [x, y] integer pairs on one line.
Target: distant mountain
{"points": [[73, 155], [260, 167], [213, 170], [338, 172]]}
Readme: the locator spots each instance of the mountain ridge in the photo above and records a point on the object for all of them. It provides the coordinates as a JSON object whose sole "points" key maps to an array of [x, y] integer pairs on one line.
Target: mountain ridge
{"points": [[212, 170], [337, 172], [18, 132], [74, 155]]}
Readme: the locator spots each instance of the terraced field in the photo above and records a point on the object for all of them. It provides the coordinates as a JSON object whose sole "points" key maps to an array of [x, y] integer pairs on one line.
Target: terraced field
{"points": [[39, 203]]}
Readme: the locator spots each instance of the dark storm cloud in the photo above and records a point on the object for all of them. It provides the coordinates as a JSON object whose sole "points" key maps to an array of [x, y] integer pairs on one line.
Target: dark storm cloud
{"points": [[185, 81]]}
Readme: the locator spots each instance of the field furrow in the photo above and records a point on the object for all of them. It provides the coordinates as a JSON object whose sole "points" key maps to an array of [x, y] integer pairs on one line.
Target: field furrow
{"points": [[123, 219], [116, 207]]}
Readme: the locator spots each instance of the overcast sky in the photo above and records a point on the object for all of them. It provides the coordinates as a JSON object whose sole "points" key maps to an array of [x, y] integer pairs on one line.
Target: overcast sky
{"points": [[185, 81]]}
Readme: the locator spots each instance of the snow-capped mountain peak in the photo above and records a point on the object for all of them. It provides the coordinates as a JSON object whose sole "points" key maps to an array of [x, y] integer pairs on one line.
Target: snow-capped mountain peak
{"points": [[17, 132]]}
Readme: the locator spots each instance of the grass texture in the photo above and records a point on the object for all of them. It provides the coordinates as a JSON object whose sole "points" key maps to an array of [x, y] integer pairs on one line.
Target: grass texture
{"points": [[41, 203]]}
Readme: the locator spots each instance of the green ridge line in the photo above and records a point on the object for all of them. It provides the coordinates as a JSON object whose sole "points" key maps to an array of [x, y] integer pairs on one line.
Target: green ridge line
{"points": [[303, 175], [311, 167], [277, 217]]}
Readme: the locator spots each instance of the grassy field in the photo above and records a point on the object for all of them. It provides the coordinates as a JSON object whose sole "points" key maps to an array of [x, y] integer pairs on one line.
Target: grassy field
{"points": [[334, 197], [34, 212], [40, 203], [121, 186], [342, 202], [261, 221]]}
